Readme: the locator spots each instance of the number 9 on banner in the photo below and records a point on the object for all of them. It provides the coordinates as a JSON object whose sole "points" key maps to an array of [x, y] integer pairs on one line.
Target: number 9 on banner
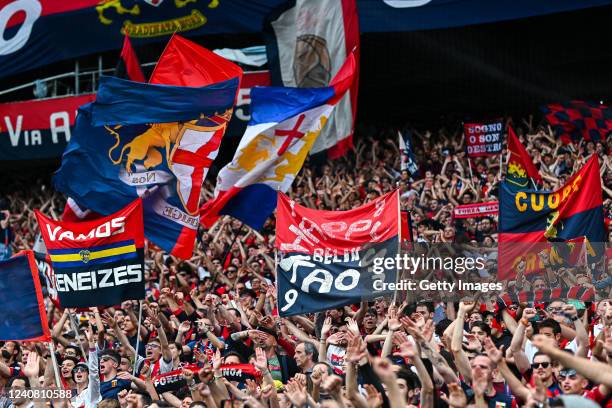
{"points": [[290, 298]]}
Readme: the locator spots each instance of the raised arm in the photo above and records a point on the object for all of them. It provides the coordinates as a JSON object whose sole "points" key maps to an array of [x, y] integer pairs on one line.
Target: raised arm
{"points": [[461, 359]]}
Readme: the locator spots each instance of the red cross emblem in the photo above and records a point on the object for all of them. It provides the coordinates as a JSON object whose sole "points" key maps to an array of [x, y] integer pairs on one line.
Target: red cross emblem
{"points": [[191, 158], [291, 134]]}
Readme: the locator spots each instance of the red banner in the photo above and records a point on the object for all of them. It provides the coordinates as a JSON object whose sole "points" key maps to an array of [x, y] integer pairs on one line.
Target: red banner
{"points": [[301, 229], [483, 139], [476, 210], [38, 129], [41, 129]]}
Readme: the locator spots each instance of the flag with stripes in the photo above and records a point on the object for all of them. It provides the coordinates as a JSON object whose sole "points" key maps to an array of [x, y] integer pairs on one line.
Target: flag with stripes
{"points": [[98, 262]]}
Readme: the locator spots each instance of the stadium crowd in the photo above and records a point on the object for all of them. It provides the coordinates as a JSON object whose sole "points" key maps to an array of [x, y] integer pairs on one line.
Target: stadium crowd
{"points": [[206, 315]]}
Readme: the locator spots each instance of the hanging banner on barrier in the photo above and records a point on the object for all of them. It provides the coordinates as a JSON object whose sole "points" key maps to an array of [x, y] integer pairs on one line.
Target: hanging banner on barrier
{"points": [[41, 129], [34, 33], [38, 129]]}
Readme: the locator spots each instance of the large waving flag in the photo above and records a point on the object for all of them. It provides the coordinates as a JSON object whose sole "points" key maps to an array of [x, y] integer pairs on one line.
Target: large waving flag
{"points": [[307, 44], [22, 309], [529, 217], [154, 141], [520, 167], [285, 122]]}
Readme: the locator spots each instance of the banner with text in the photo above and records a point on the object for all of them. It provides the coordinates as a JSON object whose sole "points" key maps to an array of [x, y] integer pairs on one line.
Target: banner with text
{"points": [[38, 129], [98, 262], [327, 259], [484, 138], [41, 129], [476, 210]]}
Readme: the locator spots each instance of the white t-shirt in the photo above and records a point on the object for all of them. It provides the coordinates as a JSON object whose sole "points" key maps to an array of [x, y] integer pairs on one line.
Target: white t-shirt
{"points": [[530, 349], [335, 356]]}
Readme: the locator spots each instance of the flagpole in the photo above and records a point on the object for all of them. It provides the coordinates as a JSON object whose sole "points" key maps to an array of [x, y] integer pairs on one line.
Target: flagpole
{"points": [[470, 167], [501, 165], [276, 276], [58, 382], [399, 242], [534, 184], [137, 337], [72, 318]]}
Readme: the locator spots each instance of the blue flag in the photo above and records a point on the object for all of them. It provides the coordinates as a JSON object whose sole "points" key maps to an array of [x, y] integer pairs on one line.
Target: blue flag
{"points": [[22, 309], [151, 141]]}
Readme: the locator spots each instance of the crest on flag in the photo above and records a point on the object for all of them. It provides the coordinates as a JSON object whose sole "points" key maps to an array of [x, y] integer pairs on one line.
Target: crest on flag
{"points": [[154, 140]]}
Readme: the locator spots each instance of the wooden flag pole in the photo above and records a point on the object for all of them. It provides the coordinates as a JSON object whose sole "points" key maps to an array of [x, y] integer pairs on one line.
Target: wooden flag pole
{"points": [[137, 338], [58, 382], [399, 243], [470, 167], [75, 328]]}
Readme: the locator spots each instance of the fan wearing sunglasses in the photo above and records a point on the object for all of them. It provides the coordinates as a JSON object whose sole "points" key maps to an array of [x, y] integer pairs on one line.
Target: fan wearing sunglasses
{"points": [[86, 376], [571, 382], [542, 366]]}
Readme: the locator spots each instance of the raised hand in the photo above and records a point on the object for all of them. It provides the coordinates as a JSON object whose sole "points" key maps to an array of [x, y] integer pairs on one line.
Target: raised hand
{"points": [[393, 322], [456, 397], [216, 360], [91, 339], [253, 389], [374, 398], [188, 375], [543, 342], [406, 347], [384, 370], [296, 393], [529, 313], [327, 325], [261, 362], [184, 327], [32, 367], [108, 320], [466, 305], [356, 348], [352, 325], [473, 343], [493, 352], [332, 385]]}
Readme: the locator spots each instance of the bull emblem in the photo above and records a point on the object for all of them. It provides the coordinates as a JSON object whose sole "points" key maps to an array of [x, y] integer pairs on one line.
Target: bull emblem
{"points": [[185, 146], [144, 147]]}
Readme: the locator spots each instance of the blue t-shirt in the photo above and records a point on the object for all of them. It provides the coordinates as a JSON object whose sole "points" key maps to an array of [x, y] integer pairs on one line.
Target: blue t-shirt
{"points": [[109, 389]]}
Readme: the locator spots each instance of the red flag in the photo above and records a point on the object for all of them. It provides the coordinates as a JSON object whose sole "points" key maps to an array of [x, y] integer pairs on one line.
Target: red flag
{"points": [[185, 63], [520, 167], [129, 67]]}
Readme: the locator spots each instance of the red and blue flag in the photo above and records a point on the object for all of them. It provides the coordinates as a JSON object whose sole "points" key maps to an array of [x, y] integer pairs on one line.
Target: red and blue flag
{"points": [[22, 310], [530, 218], [153, 140], [575, 120]]}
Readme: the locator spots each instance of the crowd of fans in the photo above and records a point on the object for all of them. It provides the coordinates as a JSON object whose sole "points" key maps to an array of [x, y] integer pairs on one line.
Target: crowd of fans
{"points": [[211, 335]]}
